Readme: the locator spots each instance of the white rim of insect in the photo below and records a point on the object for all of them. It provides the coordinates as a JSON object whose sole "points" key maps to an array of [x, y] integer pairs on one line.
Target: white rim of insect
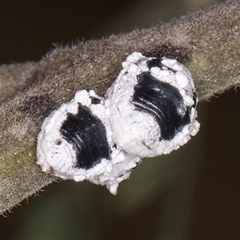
{"points": [[148, 111]]}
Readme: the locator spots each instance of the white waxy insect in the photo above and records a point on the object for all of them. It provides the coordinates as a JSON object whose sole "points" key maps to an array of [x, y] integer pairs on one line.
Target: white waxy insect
{"points": [[148, 111], [152, 99]]}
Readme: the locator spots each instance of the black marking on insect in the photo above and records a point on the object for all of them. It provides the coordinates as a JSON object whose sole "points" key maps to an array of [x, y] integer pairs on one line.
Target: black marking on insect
{"points": [[87, 134], [95, 100], [163, 101], [155, 62]]}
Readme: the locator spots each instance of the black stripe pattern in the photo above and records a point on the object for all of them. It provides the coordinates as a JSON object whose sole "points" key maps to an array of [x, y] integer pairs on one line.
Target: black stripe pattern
{"points": [[87, 134], [163, 101]]}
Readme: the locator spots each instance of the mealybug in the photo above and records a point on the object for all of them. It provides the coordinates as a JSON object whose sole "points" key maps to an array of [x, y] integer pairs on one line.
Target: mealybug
{"points": [[149, 110]]}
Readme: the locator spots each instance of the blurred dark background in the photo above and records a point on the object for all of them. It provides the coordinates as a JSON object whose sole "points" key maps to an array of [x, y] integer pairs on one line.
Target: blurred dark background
{"points": [[192, 193]]}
